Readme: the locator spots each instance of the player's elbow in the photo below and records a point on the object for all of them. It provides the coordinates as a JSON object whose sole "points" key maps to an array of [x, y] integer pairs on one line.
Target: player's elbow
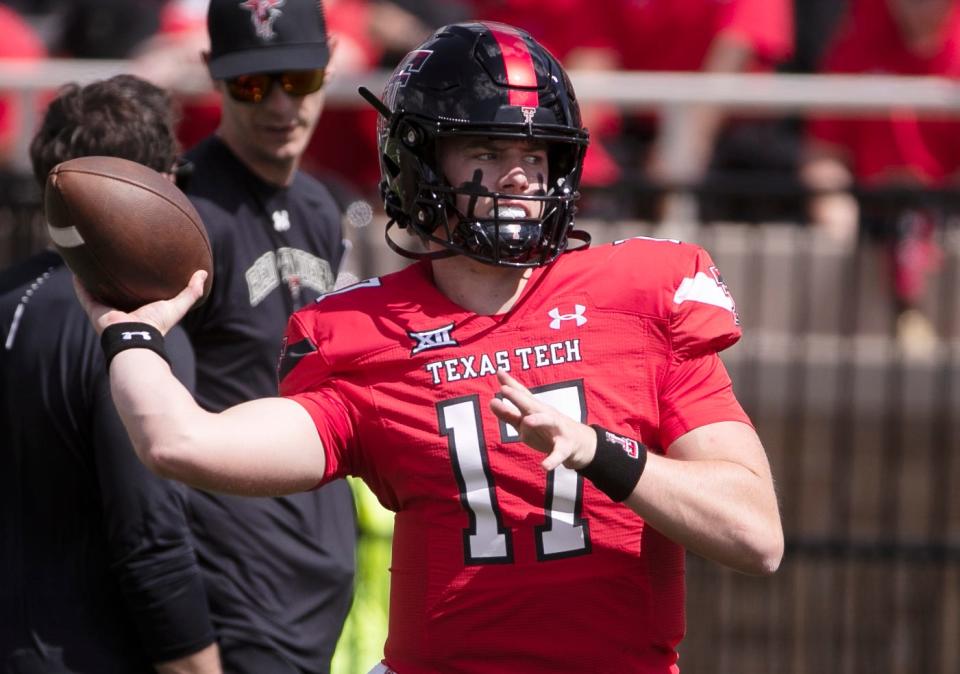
{"points": [[763, 551], [768, 561], [168, 455], [161, 458]]}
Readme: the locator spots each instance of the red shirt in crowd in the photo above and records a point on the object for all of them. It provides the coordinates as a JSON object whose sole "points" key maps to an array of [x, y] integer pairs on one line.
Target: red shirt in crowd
{"points": [[675, 35], [560, 25], [898, 145], [20, 42]]}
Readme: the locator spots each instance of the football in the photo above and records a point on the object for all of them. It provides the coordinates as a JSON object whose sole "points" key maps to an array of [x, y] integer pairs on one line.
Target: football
{"points": [[126, 231]]}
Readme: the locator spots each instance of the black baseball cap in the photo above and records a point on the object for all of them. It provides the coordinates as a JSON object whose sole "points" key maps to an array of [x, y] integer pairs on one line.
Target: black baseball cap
{"points": [[266, 36]]}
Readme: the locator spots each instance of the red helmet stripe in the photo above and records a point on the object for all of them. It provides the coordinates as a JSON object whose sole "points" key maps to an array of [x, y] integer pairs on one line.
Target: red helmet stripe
{"points": [[518, 63]]}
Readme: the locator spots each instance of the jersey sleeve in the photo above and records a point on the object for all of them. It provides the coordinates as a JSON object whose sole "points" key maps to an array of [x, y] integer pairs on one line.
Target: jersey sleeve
{"points": [[696, 389], [696, 392], [704, 316], [306, 377]]}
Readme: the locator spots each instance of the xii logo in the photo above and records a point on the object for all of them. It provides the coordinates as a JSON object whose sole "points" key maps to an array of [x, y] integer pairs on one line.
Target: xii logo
{"points": [[433, 339]]}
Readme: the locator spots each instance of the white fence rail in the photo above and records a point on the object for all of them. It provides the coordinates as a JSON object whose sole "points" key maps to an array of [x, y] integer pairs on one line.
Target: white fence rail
{"points": [[673, 96]]}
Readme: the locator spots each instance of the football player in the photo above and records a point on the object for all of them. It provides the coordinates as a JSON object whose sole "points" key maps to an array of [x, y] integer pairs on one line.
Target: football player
{"points": [[550, 422]]}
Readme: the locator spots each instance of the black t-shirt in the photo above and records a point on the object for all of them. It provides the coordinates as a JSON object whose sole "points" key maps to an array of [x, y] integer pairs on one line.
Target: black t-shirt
{"points": [[279, 571], [96, 560]]}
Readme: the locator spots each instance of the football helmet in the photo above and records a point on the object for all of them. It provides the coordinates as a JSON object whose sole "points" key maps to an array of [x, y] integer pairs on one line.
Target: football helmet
{"points": [[494, 81]]}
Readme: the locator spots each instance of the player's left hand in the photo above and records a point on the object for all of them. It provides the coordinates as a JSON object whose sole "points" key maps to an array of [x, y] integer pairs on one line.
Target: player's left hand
{"points": [[546, 429]]}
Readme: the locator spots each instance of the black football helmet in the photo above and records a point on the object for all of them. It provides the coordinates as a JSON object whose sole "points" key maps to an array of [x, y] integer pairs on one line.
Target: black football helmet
{"points": [[495, 81]]}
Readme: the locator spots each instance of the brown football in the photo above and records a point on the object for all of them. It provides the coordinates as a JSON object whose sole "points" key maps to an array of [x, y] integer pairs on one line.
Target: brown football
{"points": [[127, 232]]}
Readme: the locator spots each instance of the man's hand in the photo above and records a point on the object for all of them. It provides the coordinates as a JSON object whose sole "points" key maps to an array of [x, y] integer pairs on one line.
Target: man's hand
{"points": [[162, 315], [543, 427]]}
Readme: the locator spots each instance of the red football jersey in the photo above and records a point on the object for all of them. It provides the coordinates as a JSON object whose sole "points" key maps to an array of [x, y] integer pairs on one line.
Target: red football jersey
{"points": [[498, 565]]}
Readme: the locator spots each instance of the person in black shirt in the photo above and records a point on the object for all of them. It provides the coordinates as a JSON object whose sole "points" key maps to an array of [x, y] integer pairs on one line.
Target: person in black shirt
{"points": [[279, 572], [99, 573]]}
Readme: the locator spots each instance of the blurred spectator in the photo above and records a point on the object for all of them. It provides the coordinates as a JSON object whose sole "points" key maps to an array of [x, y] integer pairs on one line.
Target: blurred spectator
{"points": [[398, 26], [907, 37], [19, 41], [815, 21], [714, 36], [368, 34], [343, 150], [717, 36], [98, 29], [173, 58], [98, 566]]}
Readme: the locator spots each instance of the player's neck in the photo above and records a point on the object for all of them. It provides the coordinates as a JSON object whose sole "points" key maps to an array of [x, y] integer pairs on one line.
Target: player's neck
{"points": [[477, 287]]}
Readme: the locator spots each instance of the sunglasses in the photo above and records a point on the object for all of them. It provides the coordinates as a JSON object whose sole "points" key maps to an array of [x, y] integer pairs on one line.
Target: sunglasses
{"points": [[255, 88]]}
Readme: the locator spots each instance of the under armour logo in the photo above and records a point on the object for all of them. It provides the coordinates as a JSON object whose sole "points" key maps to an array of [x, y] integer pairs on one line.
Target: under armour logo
{"points": [[558, 318], [263, 13], [433, 339], [281, 221], [528, 114], [142, 334]]}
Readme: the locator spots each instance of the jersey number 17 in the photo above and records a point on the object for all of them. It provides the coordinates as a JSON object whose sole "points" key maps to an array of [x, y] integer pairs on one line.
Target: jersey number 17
{"points": [[486, 541]]}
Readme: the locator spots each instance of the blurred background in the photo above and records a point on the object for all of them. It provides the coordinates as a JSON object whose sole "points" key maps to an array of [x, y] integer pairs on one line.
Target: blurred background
{"points": [[812, 146]]}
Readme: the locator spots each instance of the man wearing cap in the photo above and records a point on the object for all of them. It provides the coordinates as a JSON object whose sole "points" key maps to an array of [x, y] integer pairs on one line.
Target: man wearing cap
{"points": [[279, 571]]}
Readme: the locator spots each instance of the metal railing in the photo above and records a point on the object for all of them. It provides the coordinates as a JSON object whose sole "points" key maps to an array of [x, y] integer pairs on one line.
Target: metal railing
{"points": [[674, 96]]}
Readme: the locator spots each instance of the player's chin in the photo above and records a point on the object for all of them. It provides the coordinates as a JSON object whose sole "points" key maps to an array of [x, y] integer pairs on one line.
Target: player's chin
{"points": [[282, 154], [295, 147]]}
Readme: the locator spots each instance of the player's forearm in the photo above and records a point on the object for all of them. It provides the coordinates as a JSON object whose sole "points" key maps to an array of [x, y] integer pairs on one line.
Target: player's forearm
{"points": [[718, 509], [714, 497], [157, 411], [265, 447], [206, 661]]}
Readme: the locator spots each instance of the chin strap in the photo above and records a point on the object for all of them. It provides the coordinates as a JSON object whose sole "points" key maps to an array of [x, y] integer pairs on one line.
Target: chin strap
{"points": [[575, 235], [579, 235], [411, 254]]}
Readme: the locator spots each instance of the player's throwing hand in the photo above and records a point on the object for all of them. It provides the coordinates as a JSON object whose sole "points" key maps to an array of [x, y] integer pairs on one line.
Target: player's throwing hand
{"points": [[543, 427], [162, 315]]}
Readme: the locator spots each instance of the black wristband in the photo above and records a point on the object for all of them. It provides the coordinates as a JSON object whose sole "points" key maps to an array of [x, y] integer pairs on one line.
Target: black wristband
{"points": [[617, 466], [122, 336]]}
